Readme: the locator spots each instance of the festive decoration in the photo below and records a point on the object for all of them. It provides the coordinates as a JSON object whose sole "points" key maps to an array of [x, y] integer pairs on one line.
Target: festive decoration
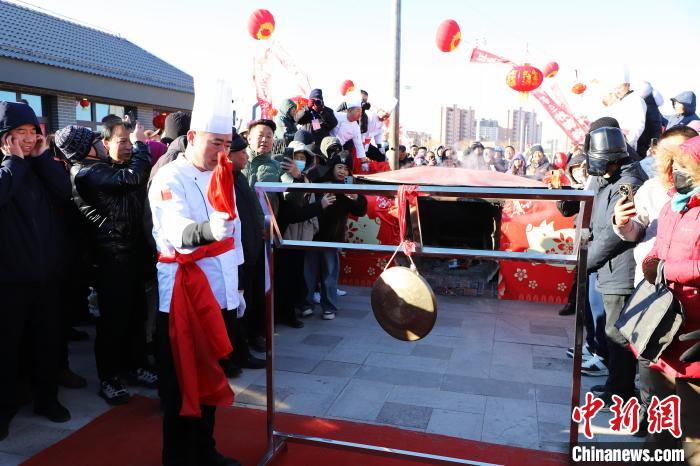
{"points": [[448, 35], [524, 79], [159, 120], [551, 69], [84, 102], [554, 105], [347, 86], [579, 88], [261, 24], [535, 226], [300, 102]]}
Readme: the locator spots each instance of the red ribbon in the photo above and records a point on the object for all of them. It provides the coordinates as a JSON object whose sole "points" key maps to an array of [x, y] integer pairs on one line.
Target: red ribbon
{"points": [[198, 335], [407, 196], [220, 193]]}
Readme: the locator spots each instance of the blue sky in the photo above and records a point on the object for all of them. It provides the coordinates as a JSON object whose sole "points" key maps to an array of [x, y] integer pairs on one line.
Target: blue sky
{"points": [[350, 39]]}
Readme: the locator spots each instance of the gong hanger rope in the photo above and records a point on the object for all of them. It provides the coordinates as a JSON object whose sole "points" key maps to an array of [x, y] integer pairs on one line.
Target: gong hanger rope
{"points": [[406, 197]]}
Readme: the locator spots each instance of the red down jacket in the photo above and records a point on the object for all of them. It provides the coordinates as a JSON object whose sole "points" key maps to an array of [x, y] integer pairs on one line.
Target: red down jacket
{"points": [[678, 244]]}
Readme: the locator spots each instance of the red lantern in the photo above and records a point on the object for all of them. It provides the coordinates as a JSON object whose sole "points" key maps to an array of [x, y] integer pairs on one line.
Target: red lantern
{"points": [[84, 102], [550, 70], [579, 88], [347, 86], [261, 24], [159, 120], [448, 35], [524, 79]]}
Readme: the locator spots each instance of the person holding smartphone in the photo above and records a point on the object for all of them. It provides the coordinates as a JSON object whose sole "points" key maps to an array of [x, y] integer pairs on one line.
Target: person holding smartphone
{"points": [[32, 185]]}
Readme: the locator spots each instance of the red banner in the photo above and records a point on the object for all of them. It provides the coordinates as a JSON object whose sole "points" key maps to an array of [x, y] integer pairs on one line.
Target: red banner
{"points": [[560, 112]]}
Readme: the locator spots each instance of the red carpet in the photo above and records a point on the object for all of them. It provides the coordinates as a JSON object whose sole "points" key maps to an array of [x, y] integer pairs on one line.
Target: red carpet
{"points": [[130, 435]]}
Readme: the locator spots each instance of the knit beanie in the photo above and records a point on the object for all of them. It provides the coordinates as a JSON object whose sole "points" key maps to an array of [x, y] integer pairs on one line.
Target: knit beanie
{"points": [[692, 148], [316, 94], [75, 141], [14, 115]]}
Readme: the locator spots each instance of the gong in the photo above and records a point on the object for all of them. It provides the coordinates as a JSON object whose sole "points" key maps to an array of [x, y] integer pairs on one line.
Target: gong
{"points": [[404, 304]]}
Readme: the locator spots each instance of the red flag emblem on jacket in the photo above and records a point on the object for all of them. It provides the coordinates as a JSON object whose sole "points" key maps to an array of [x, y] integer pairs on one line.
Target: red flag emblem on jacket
{"points": [[166, 194]]}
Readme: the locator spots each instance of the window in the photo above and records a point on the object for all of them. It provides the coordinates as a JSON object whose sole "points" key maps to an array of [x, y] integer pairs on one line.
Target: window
{"points": [[102, 110], [92, 115], [83, 114], [8, 96], [33, 101]]}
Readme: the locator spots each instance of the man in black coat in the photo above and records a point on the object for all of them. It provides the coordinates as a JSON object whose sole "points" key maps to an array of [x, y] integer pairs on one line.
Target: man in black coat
{"points": [[612, 258], [110, 193], [32, 186], [316, 118]]}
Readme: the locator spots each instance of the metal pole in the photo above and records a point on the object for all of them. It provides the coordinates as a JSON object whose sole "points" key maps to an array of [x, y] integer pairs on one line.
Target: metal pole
{"points": [[394, 122]]}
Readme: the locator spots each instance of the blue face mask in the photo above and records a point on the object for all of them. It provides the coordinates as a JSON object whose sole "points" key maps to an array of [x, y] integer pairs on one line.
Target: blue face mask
{"points": [[301, 164]]}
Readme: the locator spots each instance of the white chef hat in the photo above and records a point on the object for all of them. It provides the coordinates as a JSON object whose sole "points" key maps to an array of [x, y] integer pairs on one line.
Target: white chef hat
{"points": [[353, 99], [213, 109]]}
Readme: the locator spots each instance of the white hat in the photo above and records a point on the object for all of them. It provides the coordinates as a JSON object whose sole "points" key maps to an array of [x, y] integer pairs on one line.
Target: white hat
{"points": [[213, 109], [353, 99]]}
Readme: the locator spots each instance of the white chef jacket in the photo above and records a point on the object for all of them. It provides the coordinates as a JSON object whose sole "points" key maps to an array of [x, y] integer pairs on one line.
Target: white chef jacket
{"points": [[349, 130], [631, 114], [178, 198], [375, 130]]}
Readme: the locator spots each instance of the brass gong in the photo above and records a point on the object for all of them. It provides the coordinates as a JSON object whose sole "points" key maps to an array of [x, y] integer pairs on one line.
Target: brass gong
{"points": [[404, 304]]}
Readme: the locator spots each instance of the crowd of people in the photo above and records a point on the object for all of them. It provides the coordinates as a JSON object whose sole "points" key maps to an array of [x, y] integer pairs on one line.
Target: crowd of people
{"points": [[130, 213]]}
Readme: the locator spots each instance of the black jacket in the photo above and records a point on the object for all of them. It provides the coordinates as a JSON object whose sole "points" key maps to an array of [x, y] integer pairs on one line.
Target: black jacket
{"points": [[334, 219], [326, 118], [252, 227], [652, 127], [31, 191], [608, 254], [111, 197]]}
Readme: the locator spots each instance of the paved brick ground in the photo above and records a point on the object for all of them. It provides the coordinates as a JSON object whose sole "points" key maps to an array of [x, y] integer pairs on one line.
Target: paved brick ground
{"points": [[490, 370]]}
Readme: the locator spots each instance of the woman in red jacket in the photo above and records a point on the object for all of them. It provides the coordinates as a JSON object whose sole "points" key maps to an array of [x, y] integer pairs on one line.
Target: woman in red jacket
{"points": [[678, 245]]}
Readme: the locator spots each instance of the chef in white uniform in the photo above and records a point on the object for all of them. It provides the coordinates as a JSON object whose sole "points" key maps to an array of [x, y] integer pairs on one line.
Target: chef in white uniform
{"points": [[183, 221]]}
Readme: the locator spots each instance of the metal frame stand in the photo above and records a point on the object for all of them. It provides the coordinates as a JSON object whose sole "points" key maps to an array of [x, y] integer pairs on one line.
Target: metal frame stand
{"points": [[277, 440]]}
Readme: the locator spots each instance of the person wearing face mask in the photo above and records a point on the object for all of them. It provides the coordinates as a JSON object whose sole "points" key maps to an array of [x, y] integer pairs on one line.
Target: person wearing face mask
{"points": [[332, 228], [298, 221], [609, 163], [32, 185], [637, 221], [316, 118], [676, 254], [110, 194]]}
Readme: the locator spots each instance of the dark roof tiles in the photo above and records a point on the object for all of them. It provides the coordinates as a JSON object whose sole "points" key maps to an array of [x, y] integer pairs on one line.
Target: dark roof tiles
{"points": [[37, 37]]}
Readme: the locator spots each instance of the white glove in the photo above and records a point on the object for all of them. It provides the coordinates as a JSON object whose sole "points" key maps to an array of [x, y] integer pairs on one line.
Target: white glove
{"points": [[221, 226], [241, 307], [382, 151], [365, 167]]}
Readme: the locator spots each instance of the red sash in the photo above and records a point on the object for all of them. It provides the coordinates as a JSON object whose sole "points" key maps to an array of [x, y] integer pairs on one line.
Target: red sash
{"points": [[198, 336]]}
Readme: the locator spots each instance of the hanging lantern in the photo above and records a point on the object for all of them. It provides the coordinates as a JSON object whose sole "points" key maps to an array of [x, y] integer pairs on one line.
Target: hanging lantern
{"points": [[524, 79], [448, 35], [84, 102], [159, 120], [261, 24], [579, 88], [347, 86], [550, 70]]}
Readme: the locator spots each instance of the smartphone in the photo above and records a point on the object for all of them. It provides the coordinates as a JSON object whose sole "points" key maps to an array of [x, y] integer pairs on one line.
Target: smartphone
{"points": [[555, 180], [626, 190], [348, 179]]}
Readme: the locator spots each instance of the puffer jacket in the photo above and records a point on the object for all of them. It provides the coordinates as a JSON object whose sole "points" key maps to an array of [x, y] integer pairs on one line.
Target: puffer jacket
{"points": [[686, 98], [608, 254], [262, 167], [286, 126], [326, 119], [678, 245], [31, 191], [111, 197]]}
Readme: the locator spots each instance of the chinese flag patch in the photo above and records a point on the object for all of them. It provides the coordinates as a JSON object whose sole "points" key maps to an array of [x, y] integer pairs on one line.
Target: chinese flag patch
{"points": [[166, 194]]}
